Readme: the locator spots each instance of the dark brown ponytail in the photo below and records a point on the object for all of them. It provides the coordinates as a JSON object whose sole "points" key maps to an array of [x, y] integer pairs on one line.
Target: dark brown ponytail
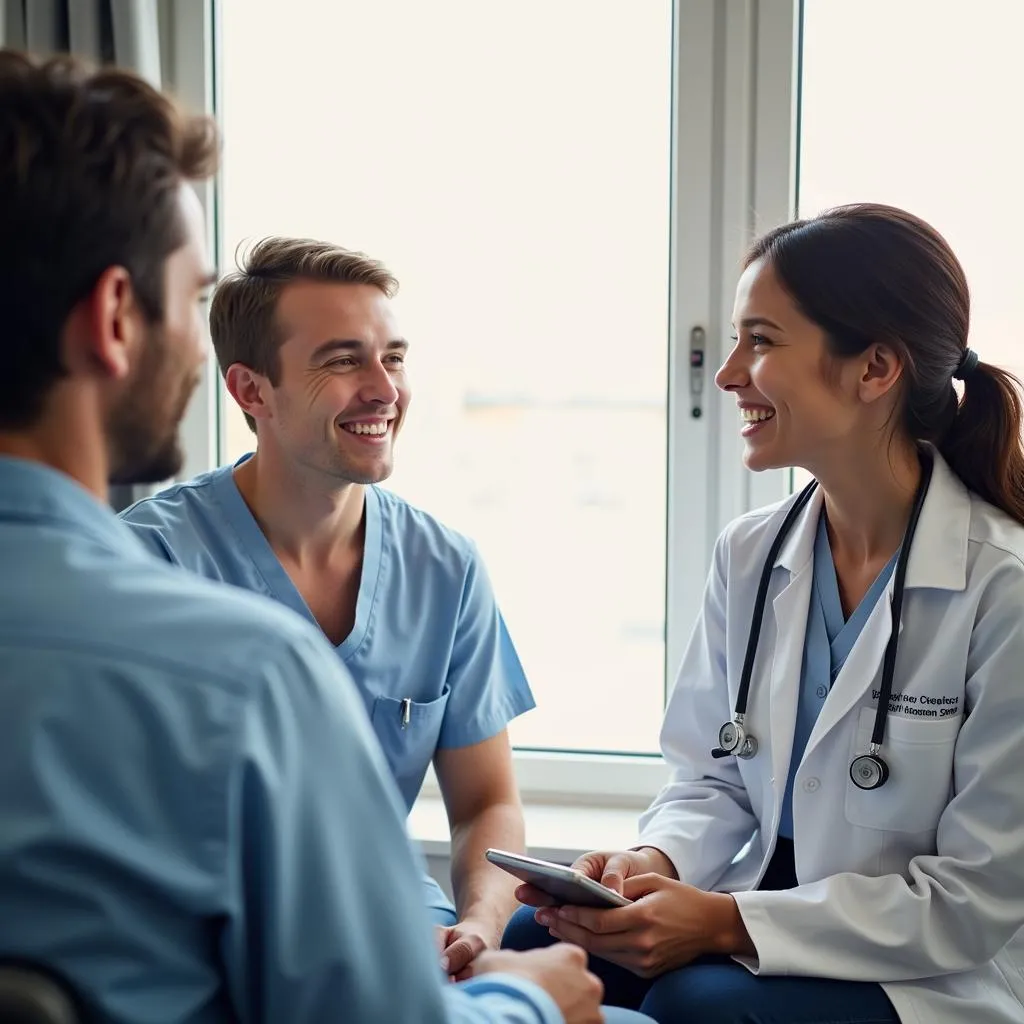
{"points": [[983, 443]]}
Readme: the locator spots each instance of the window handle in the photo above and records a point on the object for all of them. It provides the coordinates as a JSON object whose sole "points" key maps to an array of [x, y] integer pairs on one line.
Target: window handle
{"points": [[696, 371]]}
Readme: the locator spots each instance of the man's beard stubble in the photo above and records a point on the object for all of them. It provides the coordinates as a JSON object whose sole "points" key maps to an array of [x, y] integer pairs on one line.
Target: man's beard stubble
{"points": [[141, 435]]}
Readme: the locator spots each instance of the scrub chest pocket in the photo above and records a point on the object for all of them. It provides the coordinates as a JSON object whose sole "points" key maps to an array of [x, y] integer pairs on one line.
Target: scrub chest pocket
{"points": [[408, 731]]}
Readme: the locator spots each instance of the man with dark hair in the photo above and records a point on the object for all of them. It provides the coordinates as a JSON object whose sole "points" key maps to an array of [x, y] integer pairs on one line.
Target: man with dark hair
{"points": [[196, 824], [309, 345]]}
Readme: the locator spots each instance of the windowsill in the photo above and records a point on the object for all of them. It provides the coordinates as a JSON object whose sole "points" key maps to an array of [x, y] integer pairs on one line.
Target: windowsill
{"points": [[553, 831]]}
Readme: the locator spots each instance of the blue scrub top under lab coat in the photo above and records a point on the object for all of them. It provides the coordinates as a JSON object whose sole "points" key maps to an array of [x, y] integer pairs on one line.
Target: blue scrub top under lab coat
{"points": [[828, 641], [427, 626], [196, 823]]}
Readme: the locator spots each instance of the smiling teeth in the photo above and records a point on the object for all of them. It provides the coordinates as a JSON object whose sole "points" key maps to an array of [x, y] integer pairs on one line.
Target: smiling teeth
{"points": [[376, 429], [756, 415]]}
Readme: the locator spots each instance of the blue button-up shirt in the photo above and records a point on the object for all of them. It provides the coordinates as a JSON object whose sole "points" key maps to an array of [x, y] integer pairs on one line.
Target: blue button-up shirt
{"points": [[196, 824]]}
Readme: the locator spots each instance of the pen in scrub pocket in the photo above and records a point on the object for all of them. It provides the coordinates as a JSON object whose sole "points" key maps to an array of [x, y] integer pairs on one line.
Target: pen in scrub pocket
{"points": [[406, 711]]}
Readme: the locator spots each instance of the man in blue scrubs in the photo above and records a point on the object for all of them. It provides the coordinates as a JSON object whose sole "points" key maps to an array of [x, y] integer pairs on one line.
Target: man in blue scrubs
{"points": [[310, 349], [196, 823]]}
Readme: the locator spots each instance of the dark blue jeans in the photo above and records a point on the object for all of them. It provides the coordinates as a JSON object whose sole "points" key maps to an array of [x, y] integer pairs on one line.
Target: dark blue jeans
{"points": [[717, 990]]}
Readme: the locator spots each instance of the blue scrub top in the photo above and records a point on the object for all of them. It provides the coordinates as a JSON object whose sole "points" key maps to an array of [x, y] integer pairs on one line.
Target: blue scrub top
{"points": [[427, 626], [196, 823], [827, 644]]}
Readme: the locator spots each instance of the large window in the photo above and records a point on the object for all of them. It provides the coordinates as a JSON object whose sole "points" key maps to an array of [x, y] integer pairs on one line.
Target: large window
{"points": [[918, 104], [512, 166]]}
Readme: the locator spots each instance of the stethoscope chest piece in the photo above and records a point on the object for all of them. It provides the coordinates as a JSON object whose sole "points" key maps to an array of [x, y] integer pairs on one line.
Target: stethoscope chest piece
{"points": [[730, 736], [733, 739], [869, 771]]}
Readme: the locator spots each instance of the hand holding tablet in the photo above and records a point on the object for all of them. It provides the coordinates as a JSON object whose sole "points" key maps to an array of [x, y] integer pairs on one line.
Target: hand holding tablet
{"points": [[564, 884]]}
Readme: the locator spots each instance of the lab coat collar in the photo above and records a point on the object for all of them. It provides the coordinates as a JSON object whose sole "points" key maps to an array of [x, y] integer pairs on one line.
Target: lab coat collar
{"points": [[938, 556], [798, 548]]}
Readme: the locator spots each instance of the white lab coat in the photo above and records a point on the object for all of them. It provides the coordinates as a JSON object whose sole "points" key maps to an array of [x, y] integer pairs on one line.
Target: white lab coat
{"points": [[918, 885]]}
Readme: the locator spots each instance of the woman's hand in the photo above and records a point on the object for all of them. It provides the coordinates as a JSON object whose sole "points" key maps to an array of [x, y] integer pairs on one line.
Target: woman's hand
{"points": [[610, 868], [669, 924]]}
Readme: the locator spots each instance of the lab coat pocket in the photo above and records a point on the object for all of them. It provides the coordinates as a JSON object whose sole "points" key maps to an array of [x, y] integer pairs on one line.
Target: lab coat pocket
{"points": [[919, 753], [407, 731]]}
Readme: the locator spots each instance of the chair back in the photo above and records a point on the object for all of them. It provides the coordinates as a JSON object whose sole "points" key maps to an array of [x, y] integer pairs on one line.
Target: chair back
{"points": [[29, 995]]}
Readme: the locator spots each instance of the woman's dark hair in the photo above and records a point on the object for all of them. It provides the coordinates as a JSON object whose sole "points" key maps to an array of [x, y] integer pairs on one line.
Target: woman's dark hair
{"points": [[869, 274]]}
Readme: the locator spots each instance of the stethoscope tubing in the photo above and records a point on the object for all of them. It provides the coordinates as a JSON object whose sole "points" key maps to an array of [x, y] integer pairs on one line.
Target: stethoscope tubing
{"points": [[899, 578]]}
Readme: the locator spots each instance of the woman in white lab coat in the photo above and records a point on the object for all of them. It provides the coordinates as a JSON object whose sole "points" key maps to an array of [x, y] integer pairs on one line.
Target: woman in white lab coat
{"points": [[814, 859]]}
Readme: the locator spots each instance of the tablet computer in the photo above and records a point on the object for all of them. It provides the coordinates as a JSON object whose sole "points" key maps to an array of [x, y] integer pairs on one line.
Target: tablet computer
{"points": [[561, 883]]}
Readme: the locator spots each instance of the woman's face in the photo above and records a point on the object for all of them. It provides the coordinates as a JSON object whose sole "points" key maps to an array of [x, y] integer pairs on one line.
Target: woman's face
{"points": [[799, 405]]}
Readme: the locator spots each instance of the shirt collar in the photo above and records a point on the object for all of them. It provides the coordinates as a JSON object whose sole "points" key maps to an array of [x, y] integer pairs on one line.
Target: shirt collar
{"points": [[36, 493], [938, 554]]}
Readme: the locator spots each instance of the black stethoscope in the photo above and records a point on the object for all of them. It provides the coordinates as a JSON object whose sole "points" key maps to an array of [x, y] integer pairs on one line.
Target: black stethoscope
{"points": [[868, 771]]}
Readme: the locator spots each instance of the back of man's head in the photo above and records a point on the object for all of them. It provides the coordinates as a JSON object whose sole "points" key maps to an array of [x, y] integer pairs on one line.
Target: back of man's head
{"points": [[91, 168]]}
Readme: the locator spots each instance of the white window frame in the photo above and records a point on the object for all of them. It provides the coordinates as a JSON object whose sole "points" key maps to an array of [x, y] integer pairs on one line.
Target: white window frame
{"points": [[734, 162], [188, 42]]}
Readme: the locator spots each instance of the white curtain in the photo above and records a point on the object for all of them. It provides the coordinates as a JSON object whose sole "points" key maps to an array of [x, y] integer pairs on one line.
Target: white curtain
{"points": [[122, 32]]}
